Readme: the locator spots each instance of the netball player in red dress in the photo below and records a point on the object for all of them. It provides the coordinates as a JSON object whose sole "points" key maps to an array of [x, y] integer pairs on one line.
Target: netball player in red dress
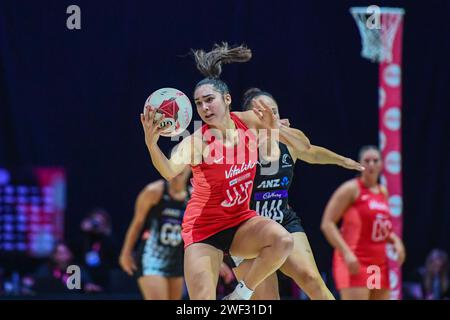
{"points": [[360, 266], [223, 155]]}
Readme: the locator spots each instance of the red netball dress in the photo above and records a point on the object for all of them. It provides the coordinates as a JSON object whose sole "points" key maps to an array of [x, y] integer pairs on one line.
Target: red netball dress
{"points": [[222, 185], [365, 228]]}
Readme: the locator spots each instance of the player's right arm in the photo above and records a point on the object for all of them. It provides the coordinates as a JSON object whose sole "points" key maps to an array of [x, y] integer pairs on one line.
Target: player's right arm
{"points": [[187, 152], [146, 199], [339, 202]]}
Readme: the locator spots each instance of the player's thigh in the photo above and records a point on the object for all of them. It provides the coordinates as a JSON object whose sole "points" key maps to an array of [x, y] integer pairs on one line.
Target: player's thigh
{"points": [[255, 234]]}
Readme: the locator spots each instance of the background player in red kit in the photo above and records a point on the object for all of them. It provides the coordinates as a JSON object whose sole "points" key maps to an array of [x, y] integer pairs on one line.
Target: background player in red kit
{"points": [[223, 157], [360, 247]]}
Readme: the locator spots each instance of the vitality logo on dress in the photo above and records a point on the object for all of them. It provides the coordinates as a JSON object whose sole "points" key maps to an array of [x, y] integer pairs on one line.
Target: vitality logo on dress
{"points": [[236, 169], [376, 205]]}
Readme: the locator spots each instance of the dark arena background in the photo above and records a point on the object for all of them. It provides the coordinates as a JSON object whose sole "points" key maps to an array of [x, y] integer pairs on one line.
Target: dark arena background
{"points": [[71, 141]]}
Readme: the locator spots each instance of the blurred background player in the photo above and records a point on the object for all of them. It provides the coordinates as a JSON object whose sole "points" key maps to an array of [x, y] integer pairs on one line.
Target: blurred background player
{"points": [[159, 212], [360, 245]]}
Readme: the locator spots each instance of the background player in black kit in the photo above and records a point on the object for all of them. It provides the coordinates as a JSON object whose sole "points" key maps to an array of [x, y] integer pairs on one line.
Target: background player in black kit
{"points": [[270, 199], [158, 264]]}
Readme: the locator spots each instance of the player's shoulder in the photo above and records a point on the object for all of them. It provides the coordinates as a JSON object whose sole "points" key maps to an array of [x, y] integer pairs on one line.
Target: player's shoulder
{"points": [[151, 193], [248, 117], [350, 185], [240, 114], [153, 188], [350, 188]]}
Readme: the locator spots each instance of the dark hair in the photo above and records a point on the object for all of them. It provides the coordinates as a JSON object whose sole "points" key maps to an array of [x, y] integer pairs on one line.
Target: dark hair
{"points": [[210, 63], [367, 148], [252, 93]]}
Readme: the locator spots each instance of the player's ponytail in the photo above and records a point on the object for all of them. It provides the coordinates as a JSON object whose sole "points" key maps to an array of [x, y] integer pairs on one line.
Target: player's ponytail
{"points": [[210, 63]]}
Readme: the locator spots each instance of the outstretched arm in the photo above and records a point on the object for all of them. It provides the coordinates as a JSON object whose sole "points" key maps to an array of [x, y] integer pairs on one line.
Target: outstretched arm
{"points": [[320, 155], [280, 128], [294, 138]]}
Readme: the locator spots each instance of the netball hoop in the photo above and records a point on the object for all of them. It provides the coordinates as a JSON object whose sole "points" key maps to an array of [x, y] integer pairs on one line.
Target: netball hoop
{"points": [[377, 27]]}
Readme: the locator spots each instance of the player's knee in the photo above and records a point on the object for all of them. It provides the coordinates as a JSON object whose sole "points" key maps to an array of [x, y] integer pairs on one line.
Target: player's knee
{"points": [[200, 287], [310, 278], [284, 243], [201, 291]]}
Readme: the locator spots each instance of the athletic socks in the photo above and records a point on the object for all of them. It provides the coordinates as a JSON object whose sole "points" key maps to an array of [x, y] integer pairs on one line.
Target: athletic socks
{"points": [[241, 292]]}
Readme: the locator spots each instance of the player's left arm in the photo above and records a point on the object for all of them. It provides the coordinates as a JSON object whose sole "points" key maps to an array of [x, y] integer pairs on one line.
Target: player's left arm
{"points": [[262, 117], [320, 155], [262, 120]]}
